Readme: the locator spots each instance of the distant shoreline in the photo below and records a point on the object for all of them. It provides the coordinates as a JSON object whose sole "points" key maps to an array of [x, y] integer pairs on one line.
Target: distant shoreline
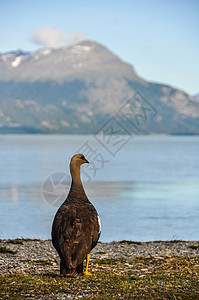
{"points": [[35, 132]]}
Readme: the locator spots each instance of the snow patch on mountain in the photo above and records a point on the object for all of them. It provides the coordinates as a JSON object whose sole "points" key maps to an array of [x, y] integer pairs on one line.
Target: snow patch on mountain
{"points": [[16, 62], [46, 51], [81, 49]]}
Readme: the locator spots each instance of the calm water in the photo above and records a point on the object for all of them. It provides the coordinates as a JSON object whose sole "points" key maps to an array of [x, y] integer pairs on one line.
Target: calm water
{"points": [[145, 188]]}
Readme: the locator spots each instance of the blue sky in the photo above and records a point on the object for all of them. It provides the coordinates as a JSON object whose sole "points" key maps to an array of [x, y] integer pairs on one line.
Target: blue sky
{"points": [[159, 38]]}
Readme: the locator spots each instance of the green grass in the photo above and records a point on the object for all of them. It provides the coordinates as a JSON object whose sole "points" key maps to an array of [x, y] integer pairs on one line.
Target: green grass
{"points": [[141, 278], [15, 241], [42, 262], [195, 247], [170, 241], [7, 250], [29, 240], [109, 261], [130, 242], [19, 240]]}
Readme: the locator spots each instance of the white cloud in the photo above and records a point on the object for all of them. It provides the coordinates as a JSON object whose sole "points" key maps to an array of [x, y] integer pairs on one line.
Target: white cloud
{"points": [[53, 37]]}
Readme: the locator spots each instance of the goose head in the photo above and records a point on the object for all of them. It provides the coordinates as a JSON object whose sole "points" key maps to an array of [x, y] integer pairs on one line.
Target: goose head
{"points": [[78, 160]]}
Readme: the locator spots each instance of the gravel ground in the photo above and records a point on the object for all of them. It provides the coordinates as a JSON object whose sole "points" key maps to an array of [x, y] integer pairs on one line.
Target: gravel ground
{"points": [[38, 256]]}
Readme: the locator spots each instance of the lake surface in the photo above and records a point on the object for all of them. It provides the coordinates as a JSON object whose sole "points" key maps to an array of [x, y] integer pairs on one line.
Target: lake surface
{"points": [[144, 187]]}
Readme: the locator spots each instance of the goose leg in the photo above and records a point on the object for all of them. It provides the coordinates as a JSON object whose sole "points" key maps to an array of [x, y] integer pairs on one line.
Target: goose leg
{"points": [[87, 262]]}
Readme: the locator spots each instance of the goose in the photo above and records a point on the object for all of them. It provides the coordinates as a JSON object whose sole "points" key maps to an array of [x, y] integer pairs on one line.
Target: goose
{"points": [[76, 227]]}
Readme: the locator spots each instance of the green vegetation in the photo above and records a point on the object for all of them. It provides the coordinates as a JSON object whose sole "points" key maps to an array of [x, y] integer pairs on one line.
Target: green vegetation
{"points": [[141, 278], [130, 242], [43, 262], [195, 247], [166, 242], [19, 240], [7, 250], [15, 241], [29, 240]]}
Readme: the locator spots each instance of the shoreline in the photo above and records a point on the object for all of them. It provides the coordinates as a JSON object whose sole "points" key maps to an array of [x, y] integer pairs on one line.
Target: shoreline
{"points": [[23, 255]]}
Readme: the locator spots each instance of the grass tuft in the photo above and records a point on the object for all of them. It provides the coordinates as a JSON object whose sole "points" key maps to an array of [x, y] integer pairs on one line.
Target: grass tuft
{"points": [[30, 240], [195, 247], [165, 242], [42, 262], [130, 242], [14, 241], [7, 250]]}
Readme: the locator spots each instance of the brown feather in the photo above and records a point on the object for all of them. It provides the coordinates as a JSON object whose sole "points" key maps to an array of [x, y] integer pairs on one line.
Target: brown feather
{"points": [[75, 230]]}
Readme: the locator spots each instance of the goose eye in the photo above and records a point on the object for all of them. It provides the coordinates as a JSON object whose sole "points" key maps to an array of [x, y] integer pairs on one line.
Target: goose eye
{"points": [[82, 157]]}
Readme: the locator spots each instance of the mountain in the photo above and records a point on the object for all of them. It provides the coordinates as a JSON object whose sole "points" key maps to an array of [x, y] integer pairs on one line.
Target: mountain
{"points": [[197, 96], [77, 89]]}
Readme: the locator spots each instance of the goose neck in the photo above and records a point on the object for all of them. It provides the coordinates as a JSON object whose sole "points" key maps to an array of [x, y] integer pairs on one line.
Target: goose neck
{"points": [[75, 174]]}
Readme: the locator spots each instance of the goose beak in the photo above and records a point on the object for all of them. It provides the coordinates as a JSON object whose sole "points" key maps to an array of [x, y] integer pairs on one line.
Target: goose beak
{"points": [[86, 161]]}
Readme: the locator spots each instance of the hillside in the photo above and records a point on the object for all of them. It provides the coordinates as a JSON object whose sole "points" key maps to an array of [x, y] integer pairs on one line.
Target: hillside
{"points": [[76, 89]]}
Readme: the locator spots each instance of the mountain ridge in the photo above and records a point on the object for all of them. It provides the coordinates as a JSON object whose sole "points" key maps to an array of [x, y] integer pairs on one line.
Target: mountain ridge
{"points": [[69, 61], [75, 89]]}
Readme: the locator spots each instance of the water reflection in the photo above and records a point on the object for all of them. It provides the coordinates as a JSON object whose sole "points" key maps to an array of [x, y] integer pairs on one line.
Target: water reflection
{"points": [[14, 193]]}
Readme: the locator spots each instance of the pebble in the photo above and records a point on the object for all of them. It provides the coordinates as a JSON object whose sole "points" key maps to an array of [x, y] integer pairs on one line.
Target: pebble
{"points": [[26, 259]]}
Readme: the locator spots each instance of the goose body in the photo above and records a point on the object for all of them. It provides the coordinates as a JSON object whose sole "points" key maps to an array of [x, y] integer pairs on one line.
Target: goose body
{"points": [[76, 227]]}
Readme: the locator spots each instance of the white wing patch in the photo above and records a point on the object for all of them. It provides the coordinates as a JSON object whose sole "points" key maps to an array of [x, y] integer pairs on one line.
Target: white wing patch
{"points": [[99, 222]]}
